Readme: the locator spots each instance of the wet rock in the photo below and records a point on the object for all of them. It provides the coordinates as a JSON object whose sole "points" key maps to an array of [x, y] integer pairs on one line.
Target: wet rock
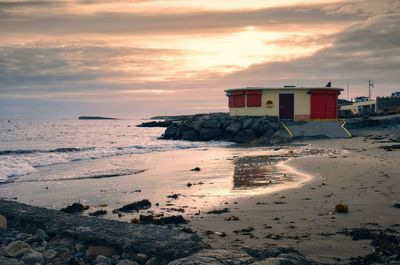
{"points": [[14, 247], [93, 251], [135, 206], [396, 205], [211, 123], [150, 219], [104, 260], [165, 123], [32, 257], [75, 208], [3, 222], [195, 169], [42, 234], [225, 210], [341, 208], [190, 135], [174, 196]]}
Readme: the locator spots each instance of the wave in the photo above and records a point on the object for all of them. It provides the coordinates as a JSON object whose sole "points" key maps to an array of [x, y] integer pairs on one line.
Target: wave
{"points": [[32, 151], [14, 163]]}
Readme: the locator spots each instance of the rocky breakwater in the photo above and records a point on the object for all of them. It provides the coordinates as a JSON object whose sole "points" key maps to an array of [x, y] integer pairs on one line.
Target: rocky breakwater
{"points": [[239, 129]]}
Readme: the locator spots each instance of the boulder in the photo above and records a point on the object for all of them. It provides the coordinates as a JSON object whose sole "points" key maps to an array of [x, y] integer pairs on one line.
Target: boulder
{"points": [[32, 257], [248, 123], [49, 254], [233, 128], [170, 132], [280, 137], [207, 134], [190, 135], [341, 208], [14, 247], [8, 261], [141, 258], [211, 123], [258, 127], [245, 136]]}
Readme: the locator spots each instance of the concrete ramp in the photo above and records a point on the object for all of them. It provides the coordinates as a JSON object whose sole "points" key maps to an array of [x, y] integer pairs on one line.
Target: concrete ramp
{"points": [[316, 129]]}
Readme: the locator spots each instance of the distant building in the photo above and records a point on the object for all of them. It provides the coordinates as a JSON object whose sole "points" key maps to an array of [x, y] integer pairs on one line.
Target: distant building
{"points": [[287, 103], [388, 105]]}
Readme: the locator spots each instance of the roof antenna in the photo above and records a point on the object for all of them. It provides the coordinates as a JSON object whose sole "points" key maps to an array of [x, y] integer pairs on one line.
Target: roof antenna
{"points": [[329, 84]]}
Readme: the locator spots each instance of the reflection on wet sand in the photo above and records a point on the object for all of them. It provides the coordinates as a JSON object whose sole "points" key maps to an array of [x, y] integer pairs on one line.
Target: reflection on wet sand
{"points": [[258, 172]]}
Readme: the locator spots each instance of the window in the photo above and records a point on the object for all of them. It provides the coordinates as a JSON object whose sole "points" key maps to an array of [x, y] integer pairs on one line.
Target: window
{"points": [[253, 98]]}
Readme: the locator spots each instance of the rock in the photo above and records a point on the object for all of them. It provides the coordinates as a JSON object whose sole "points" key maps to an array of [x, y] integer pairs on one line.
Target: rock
{"points": [[152, 261], [100, 259], [22, 252], [3, 222], [258, 127], [49, 254], [127, 262], [207, 134], [341, 208], [245, 136], [32, 257], [74, 208], [211, 123], [98, 213], [232, 129], [14, 247], [280, 137], [135, 206], [170, 132], [248, 123], [8, 261], [93, 251], [141, 258], [165, 123], [215, 256], [190, 135], [42, 234]]}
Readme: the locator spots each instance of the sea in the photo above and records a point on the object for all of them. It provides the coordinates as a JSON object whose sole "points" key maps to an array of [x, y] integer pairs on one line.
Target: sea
{"points": [[31, 146]]}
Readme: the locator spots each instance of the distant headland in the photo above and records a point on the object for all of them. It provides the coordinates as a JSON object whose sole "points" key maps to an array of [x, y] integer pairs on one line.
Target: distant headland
{"points": [[95, 118]]}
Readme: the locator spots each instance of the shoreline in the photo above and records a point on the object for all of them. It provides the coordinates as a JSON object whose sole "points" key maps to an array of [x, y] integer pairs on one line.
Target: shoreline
{"points": [[300, 218]]}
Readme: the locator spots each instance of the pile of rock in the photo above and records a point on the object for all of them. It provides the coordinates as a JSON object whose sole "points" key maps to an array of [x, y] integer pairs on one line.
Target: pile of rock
{"points": [[240, 129]]}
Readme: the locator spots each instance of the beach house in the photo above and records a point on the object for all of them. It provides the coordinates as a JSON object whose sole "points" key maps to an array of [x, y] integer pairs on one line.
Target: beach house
{"points": [[287, 103]]}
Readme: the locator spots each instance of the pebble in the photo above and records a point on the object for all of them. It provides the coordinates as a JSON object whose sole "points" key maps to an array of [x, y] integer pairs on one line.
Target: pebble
{"points": [[32, 257], [50, 254], [141, 258], [42, 234], [104, 260], [127, 262], [14, 247], [93, 251]]}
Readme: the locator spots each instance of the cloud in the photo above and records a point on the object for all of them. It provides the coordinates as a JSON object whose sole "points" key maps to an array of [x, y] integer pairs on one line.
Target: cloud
{"points": [[364, 51]]}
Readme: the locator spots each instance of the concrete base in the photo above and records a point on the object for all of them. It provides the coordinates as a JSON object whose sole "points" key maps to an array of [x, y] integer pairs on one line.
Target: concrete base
{"points": [[316, 129]]}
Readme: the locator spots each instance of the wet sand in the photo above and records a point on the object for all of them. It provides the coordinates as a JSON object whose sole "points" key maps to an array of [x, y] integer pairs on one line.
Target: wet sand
{"points": [[366, 177]]}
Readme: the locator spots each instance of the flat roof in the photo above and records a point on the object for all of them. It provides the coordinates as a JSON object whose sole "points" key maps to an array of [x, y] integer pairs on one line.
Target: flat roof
{"points": [[283, 88]]}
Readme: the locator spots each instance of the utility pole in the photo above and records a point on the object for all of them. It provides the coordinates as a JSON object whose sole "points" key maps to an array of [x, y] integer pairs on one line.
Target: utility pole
{"points": [[370, 86], [348, 92]]}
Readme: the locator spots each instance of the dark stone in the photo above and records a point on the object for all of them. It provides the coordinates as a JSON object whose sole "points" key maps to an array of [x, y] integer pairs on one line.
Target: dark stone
{"points": [[98, 212], [190, 135], [245, 136], [135, 206], [207, 134], [212, 123], [165, 123], [232, 129], [74, 208]]}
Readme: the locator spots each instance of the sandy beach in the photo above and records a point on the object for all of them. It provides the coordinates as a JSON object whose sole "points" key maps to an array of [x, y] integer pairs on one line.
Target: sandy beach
{"points": [[365, 177], [262, 197]]}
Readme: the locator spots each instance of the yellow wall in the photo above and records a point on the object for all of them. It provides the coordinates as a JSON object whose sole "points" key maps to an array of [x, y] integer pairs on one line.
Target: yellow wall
{"points": [[301, 104]]}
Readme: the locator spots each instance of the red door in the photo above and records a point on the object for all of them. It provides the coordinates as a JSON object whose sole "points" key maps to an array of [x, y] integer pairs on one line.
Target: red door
{"points": [[324, 104]]}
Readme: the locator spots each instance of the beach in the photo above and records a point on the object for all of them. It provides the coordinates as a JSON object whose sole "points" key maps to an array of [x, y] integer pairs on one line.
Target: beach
{"points": [[240, 196]]}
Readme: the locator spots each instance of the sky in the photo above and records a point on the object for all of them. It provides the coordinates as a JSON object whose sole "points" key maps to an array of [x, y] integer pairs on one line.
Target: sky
{"points": [[139, 58]]}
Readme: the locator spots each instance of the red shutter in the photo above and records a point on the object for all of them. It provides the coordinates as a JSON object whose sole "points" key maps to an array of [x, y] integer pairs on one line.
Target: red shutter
{"points": [[253, 98], [230, 100], [324, 104], [239, 101]]}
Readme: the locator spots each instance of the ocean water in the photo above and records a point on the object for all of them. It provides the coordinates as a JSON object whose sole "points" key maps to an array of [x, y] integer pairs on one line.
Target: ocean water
{"points": [[31, 146]]}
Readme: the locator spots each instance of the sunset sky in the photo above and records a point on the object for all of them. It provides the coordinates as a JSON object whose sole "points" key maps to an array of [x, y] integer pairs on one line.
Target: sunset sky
{"points": [[137, 58]]}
